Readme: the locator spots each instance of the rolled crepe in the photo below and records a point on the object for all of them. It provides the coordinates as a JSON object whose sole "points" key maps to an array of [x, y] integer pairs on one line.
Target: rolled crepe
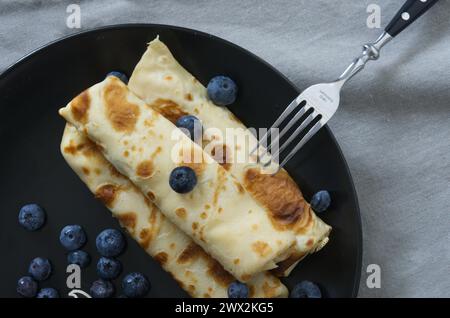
{"points": [[164, 84], [194, 270], [218, 214]]}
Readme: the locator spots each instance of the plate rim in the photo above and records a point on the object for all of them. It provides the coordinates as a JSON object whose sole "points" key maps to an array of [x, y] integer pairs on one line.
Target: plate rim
{"points": [[59, 41]]}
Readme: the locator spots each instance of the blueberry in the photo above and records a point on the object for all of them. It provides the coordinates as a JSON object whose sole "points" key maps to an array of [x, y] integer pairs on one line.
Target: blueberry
{"points": [[193, 126], [32, 217], [222, 90], [182, 179], [48, 293], [108, 268], [79, 257], [27, 287], [72, 237], [320, 201], [110, 242], [135, 285], [102, 289], [119, 75], [305, 289], [40, 268], [237, 290]]}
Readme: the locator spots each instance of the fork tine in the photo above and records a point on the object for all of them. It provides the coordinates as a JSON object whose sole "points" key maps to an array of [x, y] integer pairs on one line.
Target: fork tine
{"points": [[303, 141], [291, 123], [297, 131], [279, 120]]}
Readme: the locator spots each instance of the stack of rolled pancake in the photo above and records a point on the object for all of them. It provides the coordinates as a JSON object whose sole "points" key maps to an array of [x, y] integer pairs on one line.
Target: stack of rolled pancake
{"points": [[237, 223]]}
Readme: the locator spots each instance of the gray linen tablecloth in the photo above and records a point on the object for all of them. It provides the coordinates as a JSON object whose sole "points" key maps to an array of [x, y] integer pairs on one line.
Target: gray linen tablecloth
{"points": [[394, 121]]}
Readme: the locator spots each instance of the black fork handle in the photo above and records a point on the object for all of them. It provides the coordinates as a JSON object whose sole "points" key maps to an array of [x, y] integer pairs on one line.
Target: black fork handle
{"points": [[409, 12]]}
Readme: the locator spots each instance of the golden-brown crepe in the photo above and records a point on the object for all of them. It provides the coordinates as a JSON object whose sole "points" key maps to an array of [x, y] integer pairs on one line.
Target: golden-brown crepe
{"points": [[164, 84], [196, 272], [219, 214]]}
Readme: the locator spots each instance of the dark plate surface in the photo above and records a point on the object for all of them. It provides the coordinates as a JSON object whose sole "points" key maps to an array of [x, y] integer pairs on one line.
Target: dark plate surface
{"points": [[33, 170]]}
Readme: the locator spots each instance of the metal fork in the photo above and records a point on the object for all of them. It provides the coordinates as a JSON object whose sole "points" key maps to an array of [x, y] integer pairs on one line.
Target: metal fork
{"points": [[321, 101]]}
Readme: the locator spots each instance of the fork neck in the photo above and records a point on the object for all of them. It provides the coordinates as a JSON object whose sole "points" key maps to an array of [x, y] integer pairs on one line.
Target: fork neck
{"points": [[371, 51]]}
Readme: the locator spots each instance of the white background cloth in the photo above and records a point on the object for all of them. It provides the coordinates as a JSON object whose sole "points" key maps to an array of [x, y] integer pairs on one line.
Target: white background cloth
{"points": [[393, 124]]}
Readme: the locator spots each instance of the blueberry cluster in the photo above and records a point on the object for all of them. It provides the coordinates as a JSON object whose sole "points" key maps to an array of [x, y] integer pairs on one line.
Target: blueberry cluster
{"points": [[110, 243], [39, 270]]}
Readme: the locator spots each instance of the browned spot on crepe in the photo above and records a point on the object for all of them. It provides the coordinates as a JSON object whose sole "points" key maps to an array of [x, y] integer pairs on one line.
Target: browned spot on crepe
{"points": [[221, 178], [114, 171], [71, 148], [245, 277], [219, 274], [193, 158], [122, 114], [270, 291], [310, 242], [161, 258], [206, 295], [169, 109], [181, 213], [151, 195], [172, 245], [188, 97], [194, 226], [147, 234], [145, 169], [239, 187], [168, 78], [87, 147], [222, 155], [191, 252], [126, 153], [203, 215], [86, 171], [191, 289], [236, 261], [278, 193], [251, 291], [285, 264], [128, 220], [261, 248], [80, 107], [107, 194]]}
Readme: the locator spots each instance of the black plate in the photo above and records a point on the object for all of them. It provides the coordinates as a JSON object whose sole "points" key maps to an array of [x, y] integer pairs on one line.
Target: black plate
{"points": [[33, 170]]}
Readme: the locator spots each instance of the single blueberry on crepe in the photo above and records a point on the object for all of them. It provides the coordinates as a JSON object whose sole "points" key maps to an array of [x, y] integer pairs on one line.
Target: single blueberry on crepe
{"points": [[222, 90], [79, 257], [193, 125], [48, 293], [119, 75], [108, 268], [27, 287], [102, 289], [40, 268], [182, 179], [321, 201], [110, 242], [305, 289], [135, 285], [32, 217], [237, 290], [72, 237]]}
